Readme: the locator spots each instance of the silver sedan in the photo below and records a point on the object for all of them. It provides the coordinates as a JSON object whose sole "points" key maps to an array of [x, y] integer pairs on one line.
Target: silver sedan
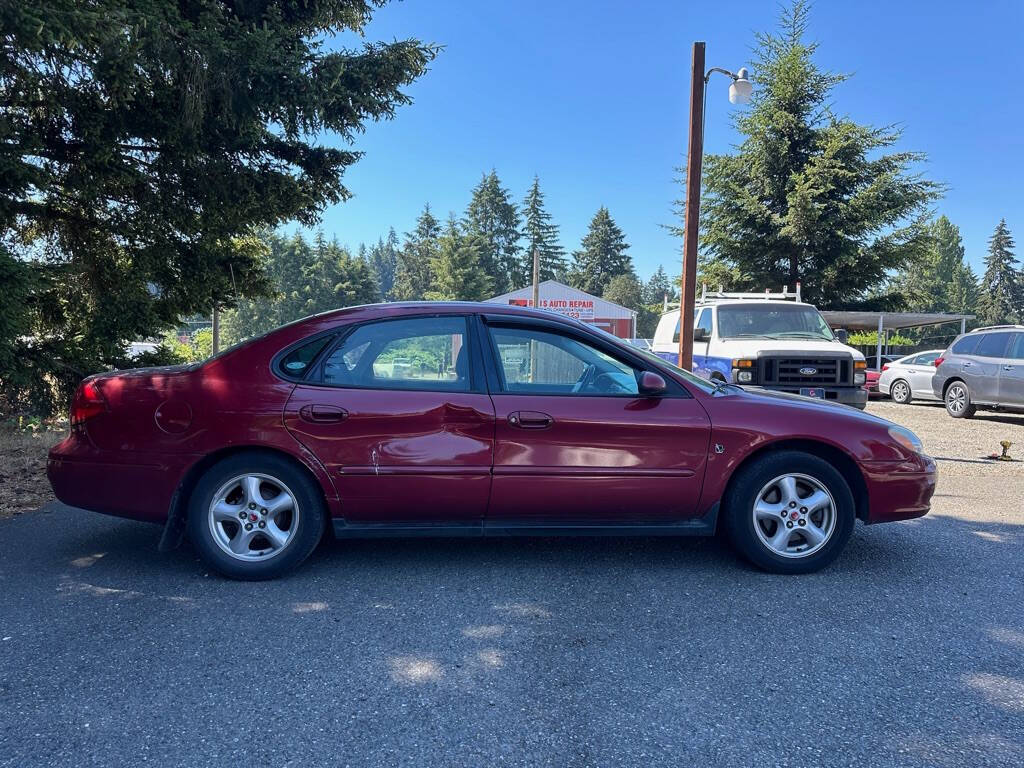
{"points": [[910, 377]]}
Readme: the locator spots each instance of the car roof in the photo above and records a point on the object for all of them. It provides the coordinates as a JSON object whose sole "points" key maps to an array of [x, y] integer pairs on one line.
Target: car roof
{"points": [[398, 308]]}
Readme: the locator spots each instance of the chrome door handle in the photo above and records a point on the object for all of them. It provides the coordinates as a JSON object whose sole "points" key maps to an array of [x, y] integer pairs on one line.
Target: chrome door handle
{"points": [[1007, 367], [968, 364]]}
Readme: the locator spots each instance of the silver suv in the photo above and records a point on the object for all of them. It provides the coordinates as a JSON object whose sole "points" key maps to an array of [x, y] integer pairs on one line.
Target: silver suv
{"points": [[982, 369]]}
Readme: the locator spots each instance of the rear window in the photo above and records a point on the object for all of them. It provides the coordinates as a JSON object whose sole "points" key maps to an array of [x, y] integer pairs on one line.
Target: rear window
{"points": [[966, 345], [992, 344]]}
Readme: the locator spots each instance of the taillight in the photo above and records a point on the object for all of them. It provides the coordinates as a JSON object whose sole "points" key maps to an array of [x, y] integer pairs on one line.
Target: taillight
{"points": [[88, 402], [939, 361], [885, 367]]}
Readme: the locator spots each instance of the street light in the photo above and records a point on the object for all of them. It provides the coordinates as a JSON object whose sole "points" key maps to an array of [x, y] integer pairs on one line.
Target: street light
{"points": [[739, 93]]}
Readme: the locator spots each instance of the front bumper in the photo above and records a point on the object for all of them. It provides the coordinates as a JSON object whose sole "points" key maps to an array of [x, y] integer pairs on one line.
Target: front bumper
{"points": [[855, 396], [899, 490]]}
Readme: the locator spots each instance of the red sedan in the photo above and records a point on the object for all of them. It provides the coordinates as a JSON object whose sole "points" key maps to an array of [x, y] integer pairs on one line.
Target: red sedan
{"points": [[473, 419]]}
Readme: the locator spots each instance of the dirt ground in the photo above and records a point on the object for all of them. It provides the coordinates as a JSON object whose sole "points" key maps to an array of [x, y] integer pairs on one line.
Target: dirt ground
{"points": [[23, 484]]}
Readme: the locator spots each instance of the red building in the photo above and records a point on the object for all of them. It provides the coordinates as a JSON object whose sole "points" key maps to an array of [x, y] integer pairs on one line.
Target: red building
{"points": [[572, 302]]}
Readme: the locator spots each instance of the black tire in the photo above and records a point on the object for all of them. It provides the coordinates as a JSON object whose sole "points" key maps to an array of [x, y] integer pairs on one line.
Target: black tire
{"points": [[900, 392], [952, 400], [742, 496], [309, 522]]}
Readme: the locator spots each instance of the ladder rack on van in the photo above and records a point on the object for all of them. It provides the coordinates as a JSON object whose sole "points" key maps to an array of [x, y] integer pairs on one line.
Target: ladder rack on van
{"points": [[706, 296]]}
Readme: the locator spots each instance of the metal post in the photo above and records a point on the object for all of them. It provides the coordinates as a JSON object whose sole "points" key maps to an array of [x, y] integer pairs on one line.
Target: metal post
{"points": [[963, 325], [536, 305], [216, 330], [878, 351], [694, 160]]}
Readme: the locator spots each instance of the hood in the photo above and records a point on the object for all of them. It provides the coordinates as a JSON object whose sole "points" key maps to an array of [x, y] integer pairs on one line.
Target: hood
{"points": [[753, 347], [784, 399]]}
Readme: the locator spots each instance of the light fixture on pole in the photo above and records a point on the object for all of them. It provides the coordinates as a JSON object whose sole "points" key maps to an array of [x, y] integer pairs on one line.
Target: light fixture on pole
{"points": [[740, 91]]}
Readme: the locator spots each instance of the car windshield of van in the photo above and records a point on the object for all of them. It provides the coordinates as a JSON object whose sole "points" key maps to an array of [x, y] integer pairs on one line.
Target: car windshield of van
{"points": [[772, 321]]}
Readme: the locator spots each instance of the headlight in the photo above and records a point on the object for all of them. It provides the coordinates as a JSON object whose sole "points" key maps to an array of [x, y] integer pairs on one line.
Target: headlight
{"points": [[858, 378], [906, 438], [744, 377]]}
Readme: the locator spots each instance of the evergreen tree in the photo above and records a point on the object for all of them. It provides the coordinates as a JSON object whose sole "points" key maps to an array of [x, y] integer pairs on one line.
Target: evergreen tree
{"points": [[412, 273], [1001, 297], [383, 260], [458, 272], [144, 146], [963, 291], [809, 196], [492, 216], [540, 234], [658, 287], [624, 290], [602, 256], [926, 284]]}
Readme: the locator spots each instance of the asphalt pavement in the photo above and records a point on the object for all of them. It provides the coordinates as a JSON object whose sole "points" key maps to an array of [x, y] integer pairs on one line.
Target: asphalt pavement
{"points": [[909, 651]]}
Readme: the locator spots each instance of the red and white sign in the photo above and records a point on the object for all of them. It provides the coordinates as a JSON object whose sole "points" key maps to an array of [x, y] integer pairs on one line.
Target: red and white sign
{"points": [[577, 309]]}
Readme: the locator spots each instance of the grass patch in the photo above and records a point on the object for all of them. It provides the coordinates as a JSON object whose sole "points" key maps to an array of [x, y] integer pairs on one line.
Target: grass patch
{"points": [[23, 484]]}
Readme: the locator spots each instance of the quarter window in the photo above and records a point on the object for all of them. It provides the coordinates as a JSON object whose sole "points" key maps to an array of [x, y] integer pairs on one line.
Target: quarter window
{"points": [[966, 345], [297, 362], [539, 362], [427, 353]]}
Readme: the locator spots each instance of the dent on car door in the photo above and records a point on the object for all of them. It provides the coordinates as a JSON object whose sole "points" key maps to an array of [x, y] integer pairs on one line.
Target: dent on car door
{"points": [[575, 441], [398, 413]]}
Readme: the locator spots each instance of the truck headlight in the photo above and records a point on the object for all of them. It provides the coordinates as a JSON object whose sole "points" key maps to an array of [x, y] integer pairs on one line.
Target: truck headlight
{"points": [[744, 377]]}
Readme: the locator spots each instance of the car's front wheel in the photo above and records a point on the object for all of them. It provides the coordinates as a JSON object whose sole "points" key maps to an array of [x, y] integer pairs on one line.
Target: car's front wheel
{"points": [[255, 516], [789, 512], [958, 401]]}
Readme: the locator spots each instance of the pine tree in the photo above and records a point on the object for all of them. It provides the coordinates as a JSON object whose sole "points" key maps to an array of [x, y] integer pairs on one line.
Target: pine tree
{"points": [[926, 284], [493, 217], [963, 291], [383, 260], [809, 196], [540, 234], [1002, 290], [602, 256], [658, 287], [458, 272], [412, 272]]}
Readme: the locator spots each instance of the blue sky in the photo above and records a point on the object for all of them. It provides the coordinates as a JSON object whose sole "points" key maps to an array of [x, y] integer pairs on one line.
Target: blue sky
{"points": [[591, 95]]}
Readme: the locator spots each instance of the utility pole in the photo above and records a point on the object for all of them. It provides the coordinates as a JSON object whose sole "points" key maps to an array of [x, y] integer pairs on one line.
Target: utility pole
{"points": [[216, 330], [694, 160], [536, 305]]}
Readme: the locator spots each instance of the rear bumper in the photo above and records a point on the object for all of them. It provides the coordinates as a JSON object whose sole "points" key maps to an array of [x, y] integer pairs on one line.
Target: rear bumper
{"points": [[139, 487], [855, 396], [899, 490]]}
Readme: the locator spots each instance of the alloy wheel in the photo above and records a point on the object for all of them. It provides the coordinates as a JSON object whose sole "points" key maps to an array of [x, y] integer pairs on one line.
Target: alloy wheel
{"points": [[794, 515], [956, 398], [253, 517]]}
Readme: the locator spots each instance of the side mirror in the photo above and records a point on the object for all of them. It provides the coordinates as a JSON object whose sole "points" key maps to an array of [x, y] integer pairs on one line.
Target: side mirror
{"points": [[651, 383], [842, 335], [700, 334]]}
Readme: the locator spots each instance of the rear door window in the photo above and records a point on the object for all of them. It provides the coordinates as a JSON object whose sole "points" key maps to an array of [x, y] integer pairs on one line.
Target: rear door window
{"points": [[967, 345], [993, 344]]}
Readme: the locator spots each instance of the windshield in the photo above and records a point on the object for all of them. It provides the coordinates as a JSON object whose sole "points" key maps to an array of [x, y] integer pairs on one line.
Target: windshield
{"points": [[772, 321]]}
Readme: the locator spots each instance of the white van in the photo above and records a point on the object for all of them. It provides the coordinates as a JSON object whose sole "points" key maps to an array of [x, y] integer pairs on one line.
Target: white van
{"points": [[767, 343]]}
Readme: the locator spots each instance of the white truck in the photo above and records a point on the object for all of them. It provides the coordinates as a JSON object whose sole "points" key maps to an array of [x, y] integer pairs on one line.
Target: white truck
{"points": [[767, 341]]}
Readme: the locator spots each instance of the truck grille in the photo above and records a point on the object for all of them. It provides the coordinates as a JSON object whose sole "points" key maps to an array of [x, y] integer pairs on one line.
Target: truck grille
{"points": [[786, 371]]}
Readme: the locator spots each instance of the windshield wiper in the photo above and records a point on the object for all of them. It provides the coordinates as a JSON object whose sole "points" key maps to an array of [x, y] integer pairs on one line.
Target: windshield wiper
{"points": [[805, 335], [752, 336]]}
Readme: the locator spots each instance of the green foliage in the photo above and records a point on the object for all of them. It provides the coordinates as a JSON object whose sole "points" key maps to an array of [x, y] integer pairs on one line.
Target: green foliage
{"points": [[658, 287], [1001, 297], [144, 145], [625, 290], [412, 273], [492, 216], [602, 256], [541, 235], [383, 261], [939, 278], [458, 271], [858, 338], [809, 196], [307, 279]]}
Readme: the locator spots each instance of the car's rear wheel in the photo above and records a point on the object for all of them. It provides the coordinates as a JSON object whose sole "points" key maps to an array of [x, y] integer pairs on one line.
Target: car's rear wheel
{"points": [[900, 392], [958, 401], [255, 516], [789, 512]]}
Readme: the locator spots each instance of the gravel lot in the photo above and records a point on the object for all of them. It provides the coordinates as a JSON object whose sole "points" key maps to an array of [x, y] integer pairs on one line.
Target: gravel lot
{"points": [[908, 652]]}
